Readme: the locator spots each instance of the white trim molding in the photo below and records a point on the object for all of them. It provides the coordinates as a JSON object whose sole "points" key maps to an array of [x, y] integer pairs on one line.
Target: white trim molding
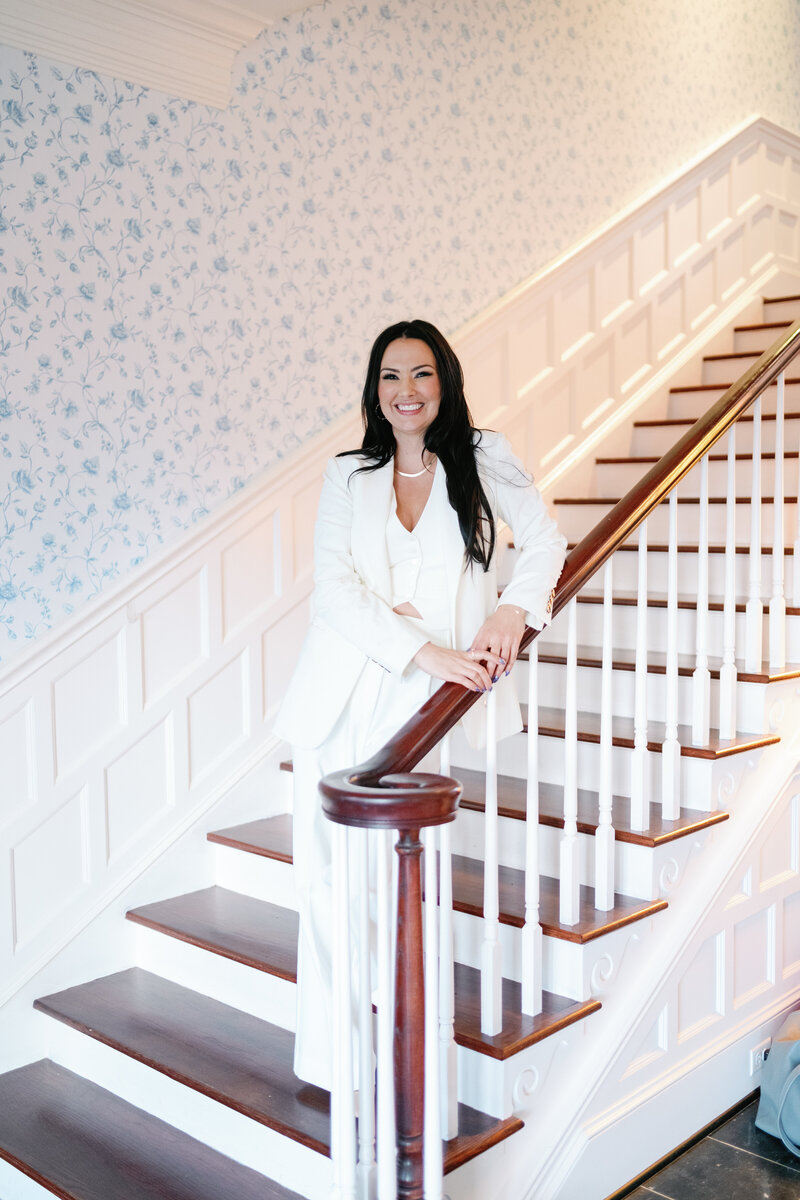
{"points": [[184, 48]]}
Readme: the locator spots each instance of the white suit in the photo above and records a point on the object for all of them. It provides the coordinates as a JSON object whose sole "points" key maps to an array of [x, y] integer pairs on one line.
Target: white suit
{"points": [[355, 683]]}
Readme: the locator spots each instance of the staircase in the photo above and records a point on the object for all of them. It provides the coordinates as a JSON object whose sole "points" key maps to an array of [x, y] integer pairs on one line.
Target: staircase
{"points": [[173, 1078]]}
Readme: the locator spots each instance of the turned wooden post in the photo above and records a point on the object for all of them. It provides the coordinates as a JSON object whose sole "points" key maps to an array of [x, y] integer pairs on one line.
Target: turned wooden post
{"points": [[409, 1020]]}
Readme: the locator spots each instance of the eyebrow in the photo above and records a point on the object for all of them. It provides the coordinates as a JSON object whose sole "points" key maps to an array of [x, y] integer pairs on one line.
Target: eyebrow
{"points": [[418, 367]]}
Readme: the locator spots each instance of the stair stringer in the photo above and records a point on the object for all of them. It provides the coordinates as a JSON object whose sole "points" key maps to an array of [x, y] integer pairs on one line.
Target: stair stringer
{"points": [[669, 1049]]}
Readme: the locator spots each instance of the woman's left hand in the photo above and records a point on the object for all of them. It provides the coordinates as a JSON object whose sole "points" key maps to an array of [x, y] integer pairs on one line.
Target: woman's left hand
{"points": [[501, 634]]}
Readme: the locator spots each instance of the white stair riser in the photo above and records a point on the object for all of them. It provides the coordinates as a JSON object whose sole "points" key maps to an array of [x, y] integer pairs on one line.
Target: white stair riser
{"points": [[782, 310], [577, 520], [697, 774], [613, 480], [758, 340], [590, 618], [695, 404], [255, 875], [726, 370], [552, 684], [567, 967], [220, 1127], [637, 868], [232, 983], [656, 440], [626, 572]]}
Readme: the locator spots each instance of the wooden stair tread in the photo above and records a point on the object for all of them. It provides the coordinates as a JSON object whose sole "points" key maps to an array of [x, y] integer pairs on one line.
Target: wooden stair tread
{"points": [[686, 548], [625, 660], [653, 422], [655, 600], [582, 501], [551, 724], [761, 325], [234, 1058], [511, 803], [650, 459], [249, 931], [83, 1142], [205, 920], [519, 1030], [468, 898], [280, 837]]}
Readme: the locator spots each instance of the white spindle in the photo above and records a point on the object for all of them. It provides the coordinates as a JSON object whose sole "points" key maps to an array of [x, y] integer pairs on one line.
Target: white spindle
{"points": [[777, 603], [640, 805], [754, 612], [604, 838], [532, 932], [386, 1135], [366, 1076], [432, 1160], [727, 674], [701, 679], [491, 964], [796, 546], [343, 1116], [569, 885], [448, 1062], [671, 750]]}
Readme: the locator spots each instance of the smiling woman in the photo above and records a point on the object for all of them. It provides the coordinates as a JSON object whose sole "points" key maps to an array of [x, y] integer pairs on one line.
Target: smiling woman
{"points": [[405, 596]]}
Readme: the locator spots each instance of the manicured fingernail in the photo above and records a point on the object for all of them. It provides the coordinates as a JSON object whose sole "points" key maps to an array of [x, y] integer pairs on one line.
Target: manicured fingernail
{"points": [[508, 672], [502, 660], [495, 678]]}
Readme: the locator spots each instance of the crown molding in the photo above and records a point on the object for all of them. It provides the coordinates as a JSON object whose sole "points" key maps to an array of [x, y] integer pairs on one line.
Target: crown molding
{"points": [[184, 48]]}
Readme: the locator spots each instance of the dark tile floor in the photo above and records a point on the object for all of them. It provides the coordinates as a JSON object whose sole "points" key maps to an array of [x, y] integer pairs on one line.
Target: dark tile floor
{"points": [[734, 1162]]}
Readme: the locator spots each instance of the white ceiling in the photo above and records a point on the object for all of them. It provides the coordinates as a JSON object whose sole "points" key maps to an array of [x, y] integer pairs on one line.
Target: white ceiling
{"points": [[181, 47]]}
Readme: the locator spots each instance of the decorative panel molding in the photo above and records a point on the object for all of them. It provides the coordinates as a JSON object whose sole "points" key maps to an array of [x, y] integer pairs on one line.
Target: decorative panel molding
{"points": [[182, 47], [649, 290]]}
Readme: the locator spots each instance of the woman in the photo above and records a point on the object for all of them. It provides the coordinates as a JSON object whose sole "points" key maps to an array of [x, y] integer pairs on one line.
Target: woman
{"points": [[405, 597]]}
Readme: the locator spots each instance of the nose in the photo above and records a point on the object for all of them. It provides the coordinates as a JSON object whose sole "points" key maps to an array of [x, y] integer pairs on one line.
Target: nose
{"points": [[408, 386]]}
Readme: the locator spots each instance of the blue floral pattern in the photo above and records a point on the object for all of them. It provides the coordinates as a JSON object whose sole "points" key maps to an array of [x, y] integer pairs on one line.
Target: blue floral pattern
{"points": [[187, 295]]}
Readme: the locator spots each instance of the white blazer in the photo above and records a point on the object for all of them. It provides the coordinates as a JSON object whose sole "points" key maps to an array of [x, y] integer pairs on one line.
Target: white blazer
{"points": [[352, 618]]}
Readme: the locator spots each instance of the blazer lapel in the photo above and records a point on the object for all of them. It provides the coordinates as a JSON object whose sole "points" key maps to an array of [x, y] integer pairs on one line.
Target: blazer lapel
{"points": [[376, 495]]}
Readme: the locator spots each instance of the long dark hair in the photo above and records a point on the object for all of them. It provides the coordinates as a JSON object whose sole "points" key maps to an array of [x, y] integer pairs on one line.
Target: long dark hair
{"points": [[451, 436]]}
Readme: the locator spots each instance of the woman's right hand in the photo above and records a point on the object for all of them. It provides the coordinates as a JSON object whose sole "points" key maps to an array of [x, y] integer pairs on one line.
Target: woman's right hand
{"points": [[467, 667]]}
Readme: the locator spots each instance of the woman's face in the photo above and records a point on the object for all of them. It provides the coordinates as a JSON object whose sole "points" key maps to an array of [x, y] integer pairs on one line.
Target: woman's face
{"points": [[408, 386]]}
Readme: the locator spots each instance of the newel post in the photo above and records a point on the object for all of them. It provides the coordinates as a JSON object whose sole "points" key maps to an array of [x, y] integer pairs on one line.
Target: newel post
{"points": [[409, 1019], [365, 798]]}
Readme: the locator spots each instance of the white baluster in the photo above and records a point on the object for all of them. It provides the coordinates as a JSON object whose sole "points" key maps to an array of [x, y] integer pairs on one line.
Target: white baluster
{"points": [[387, 1134], [343, 1115], [754, 613], [448, 1060], [796, 546], [727, 674], [777, 603], [366, 1075], [569, 881], [432, 1161], [491, 963], [671, 750], [701, 679], [532, 932], [640, 804], [604, 838]]}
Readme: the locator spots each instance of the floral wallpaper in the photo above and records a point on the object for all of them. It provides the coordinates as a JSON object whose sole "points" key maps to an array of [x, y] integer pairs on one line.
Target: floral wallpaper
{"points": [[187, 295]]}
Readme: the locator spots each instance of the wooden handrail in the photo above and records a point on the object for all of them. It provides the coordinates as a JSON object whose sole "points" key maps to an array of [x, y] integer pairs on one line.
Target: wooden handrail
{"points": [[448, 704]]}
